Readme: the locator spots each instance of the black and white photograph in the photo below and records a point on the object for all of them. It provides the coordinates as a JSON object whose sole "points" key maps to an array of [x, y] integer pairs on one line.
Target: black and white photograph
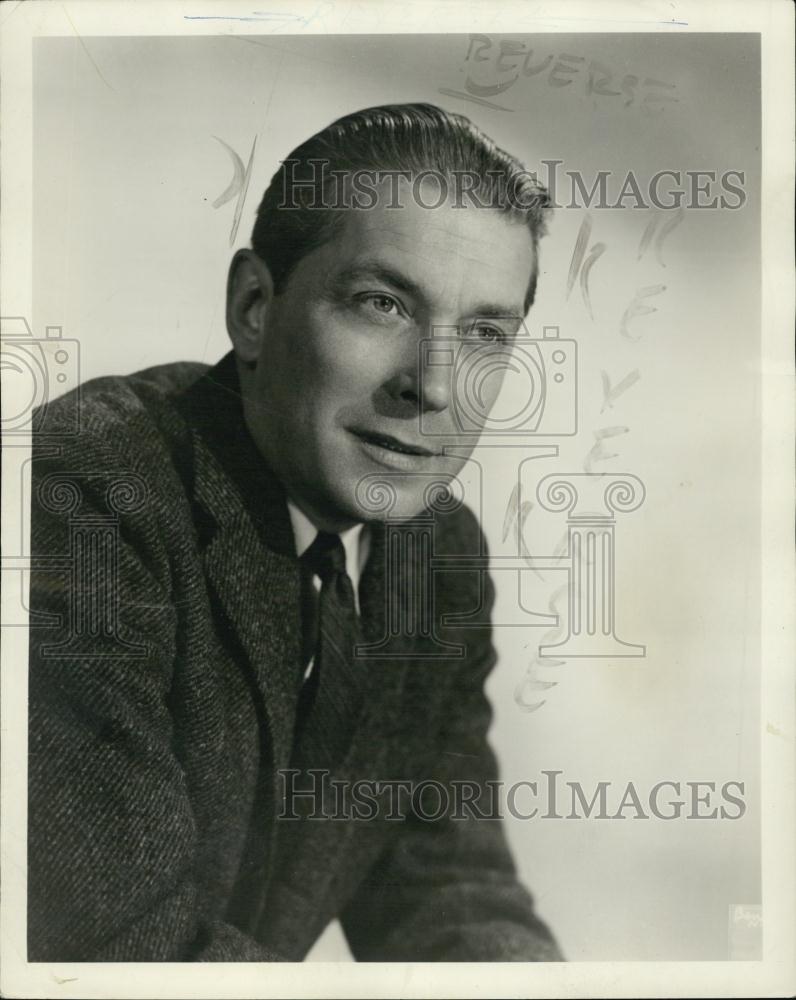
{"points": [[397, 553]]}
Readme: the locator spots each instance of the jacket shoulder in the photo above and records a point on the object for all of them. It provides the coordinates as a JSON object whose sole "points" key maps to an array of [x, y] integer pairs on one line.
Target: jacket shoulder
{"points": [[118, 414], [116, 445], [114, 399]]}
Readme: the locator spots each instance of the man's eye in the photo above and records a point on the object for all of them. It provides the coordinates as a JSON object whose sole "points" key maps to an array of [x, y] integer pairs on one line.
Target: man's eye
{"points": [[488, 333], [384, 304]]}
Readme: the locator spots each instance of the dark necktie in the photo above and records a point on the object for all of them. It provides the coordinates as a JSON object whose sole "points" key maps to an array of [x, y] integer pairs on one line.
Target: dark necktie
{"points": [[330, 699]]}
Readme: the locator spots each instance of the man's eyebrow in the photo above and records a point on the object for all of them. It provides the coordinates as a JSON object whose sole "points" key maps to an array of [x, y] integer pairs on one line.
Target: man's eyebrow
{"points": [[514, 313], [379, 272]]}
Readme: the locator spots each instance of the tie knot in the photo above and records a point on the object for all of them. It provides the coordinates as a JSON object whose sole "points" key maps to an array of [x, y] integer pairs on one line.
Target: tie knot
{"points": [[326, 556]]}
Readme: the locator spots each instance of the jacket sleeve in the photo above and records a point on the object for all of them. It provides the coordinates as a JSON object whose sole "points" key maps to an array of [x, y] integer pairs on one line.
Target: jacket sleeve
{"points": [[447, 889], [112, 842]]}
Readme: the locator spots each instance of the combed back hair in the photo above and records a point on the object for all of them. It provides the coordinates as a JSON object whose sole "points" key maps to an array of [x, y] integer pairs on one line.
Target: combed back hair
{"points": [[302, 208]]}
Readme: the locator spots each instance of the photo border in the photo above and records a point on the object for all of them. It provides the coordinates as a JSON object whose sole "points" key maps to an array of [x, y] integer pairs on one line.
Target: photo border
{"points": [[774, 975]]}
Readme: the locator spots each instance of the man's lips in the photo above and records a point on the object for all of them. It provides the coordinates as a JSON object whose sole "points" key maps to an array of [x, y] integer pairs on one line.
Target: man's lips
{"points": [[393, 444]]}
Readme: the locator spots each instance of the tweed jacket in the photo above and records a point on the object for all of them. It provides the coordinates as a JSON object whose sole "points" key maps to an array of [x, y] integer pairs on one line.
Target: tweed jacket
{"points": [[165, 671]]}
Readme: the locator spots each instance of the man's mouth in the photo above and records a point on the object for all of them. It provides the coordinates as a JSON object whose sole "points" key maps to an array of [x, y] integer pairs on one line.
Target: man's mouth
{"points": [[391, 443]]}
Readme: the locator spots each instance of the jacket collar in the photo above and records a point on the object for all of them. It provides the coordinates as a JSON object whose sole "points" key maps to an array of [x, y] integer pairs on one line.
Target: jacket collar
{"points": [[215, 412]]}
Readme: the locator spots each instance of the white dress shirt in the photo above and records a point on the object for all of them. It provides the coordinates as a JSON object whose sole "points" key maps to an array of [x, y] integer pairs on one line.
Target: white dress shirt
{"points": [[356, 542]]}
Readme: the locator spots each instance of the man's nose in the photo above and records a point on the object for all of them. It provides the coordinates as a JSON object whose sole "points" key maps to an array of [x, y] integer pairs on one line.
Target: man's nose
{"points": [[425, 384]]}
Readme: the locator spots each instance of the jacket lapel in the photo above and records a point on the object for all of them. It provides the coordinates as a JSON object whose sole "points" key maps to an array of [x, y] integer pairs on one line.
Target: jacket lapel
{"points": [[248, 549], [259, 592]]}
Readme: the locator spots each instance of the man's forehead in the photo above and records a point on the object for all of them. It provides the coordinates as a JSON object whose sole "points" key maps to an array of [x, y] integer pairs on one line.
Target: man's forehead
{"points": [[481, 250], [433, 226]]}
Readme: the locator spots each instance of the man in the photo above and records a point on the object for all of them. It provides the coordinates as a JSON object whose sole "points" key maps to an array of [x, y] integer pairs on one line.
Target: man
{"points": [[213, 642]]}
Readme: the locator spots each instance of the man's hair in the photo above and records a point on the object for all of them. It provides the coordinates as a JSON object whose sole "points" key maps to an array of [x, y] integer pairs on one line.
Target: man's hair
{"points": [[299, 213]]}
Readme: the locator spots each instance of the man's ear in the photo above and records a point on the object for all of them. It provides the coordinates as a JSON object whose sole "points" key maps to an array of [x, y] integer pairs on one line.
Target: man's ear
{"points": [[250, 291]]}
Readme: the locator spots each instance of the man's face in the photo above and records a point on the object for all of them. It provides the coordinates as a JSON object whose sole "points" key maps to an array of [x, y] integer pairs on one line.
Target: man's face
{"points": [[341, 396]]}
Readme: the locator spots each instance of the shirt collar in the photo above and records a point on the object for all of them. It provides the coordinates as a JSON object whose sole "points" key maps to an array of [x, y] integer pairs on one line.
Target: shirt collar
{"points": [[355, 542]]}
